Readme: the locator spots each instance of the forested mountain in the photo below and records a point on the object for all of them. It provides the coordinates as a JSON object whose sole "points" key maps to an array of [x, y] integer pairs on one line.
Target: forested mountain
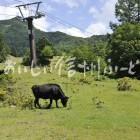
{"points": [[16, 36]]}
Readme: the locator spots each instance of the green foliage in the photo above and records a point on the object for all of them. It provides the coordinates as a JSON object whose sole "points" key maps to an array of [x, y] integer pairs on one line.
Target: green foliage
{"points": [[45, 51], [125, 44], [20, 100], [11, 96], [91, 55], [6, 81], [128, 10], [2, 94], [124, 84], [26, 58], [3, 49], [83, 53]]}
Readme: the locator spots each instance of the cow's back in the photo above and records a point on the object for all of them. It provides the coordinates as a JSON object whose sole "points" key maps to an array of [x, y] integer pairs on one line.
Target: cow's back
{"points": [[48, 91]]}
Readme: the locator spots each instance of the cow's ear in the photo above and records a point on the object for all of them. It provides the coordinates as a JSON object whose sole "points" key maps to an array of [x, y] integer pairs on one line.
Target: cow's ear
{"points": [[35, 88]]}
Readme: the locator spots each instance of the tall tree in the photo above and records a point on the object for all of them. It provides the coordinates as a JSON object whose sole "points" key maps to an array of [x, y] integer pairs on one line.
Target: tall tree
{"points": [[128, 11], [125, 45]]}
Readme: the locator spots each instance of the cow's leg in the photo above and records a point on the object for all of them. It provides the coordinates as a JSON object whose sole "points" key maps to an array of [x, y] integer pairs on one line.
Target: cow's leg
{"points": [[36, 102], [49, 106], [56, 103]]}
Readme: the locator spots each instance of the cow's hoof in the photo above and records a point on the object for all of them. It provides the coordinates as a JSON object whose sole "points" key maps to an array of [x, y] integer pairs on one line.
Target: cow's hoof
{"points": [[49, 107]]}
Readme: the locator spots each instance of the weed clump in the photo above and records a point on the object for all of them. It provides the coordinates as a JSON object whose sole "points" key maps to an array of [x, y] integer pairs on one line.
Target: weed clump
{"points": [[97, 102], [85, 80], [124, 84]]}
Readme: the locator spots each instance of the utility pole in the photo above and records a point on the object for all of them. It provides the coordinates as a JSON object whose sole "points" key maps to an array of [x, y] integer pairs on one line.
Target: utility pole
{"points": [[138, 11], [29, 19]]}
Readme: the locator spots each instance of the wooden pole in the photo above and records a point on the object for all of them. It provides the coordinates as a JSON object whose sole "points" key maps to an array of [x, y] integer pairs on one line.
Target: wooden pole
{"points": [[33, 58]]}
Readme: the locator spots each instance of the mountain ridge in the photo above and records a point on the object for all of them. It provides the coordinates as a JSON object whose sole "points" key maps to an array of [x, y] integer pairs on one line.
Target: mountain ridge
{"points": [[15, 33]]}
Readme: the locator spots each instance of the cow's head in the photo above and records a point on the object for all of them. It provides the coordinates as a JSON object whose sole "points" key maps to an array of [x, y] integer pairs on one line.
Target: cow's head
{"points": [[64, 101], [35, 89]]}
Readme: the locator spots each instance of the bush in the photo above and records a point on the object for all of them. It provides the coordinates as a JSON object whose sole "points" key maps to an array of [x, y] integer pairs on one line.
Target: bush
{"points": [[7, 78], [20, 100], [124, 84], [2, 94], [4, 81], [11, 96]]}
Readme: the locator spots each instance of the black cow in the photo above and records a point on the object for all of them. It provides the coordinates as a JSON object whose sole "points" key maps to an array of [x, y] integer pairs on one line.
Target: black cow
{"points": [[49, 91]]}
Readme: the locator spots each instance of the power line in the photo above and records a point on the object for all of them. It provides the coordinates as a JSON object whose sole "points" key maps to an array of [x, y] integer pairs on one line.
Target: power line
{"points": [[65, 23], [60, 21]]}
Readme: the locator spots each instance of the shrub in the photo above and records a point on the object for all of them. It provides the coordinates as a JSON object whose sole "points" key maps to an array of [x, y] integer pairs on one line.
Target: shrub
{"points": [[20, 100], [11, 96], [124, 84], [2, 94], [4, 81], [6, 78]]}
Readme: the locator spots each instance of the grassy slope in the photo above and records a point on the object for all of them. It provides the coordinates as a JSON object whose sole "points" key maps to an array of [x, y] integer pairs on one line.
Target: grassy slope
{"points": [[118, 119]]}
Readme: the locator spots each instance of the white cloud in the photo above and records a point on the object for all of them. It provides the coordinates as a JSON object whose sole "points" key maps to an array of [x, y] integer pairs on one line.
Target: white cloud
{"points": [[69, 30], [8, 12], [71, 3], [97, 29], [42, 24], [102, 17], [47, 26], [93, 10]]}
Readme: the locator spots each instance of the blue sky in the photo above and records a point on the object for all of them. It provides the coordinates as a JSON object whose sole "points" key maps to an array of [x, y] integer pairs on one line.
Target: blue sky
{"points": [[75, 17]]}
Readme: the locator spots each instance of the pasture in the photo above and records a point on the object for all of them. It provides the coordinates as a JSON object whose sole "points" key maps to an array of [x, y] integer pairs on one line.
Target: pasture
{"points": [[118, 117]]}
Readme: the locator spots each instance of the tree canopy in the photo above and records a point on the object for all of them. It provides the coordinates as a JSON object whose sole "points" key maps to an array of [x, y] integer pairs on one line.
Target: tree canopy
{"points": [[44, 50], [128, 10], [125, 44]]}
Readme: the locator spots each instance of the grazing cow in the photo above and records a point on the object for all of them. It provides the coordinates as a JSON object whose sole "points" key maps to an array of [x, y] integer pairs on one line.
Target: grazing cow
{"points": [[49, 91]]}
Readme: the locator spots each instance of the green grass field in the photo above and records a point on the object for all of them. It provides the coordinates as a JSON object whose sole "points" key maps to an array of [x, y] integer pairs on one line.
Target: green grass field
{"points": [[117, 119]]}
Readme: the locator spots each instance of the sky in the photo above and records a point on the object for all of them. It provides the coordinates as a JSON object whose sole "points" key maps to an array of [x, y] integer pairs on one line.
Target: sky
{"points": [[82, 18]]}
